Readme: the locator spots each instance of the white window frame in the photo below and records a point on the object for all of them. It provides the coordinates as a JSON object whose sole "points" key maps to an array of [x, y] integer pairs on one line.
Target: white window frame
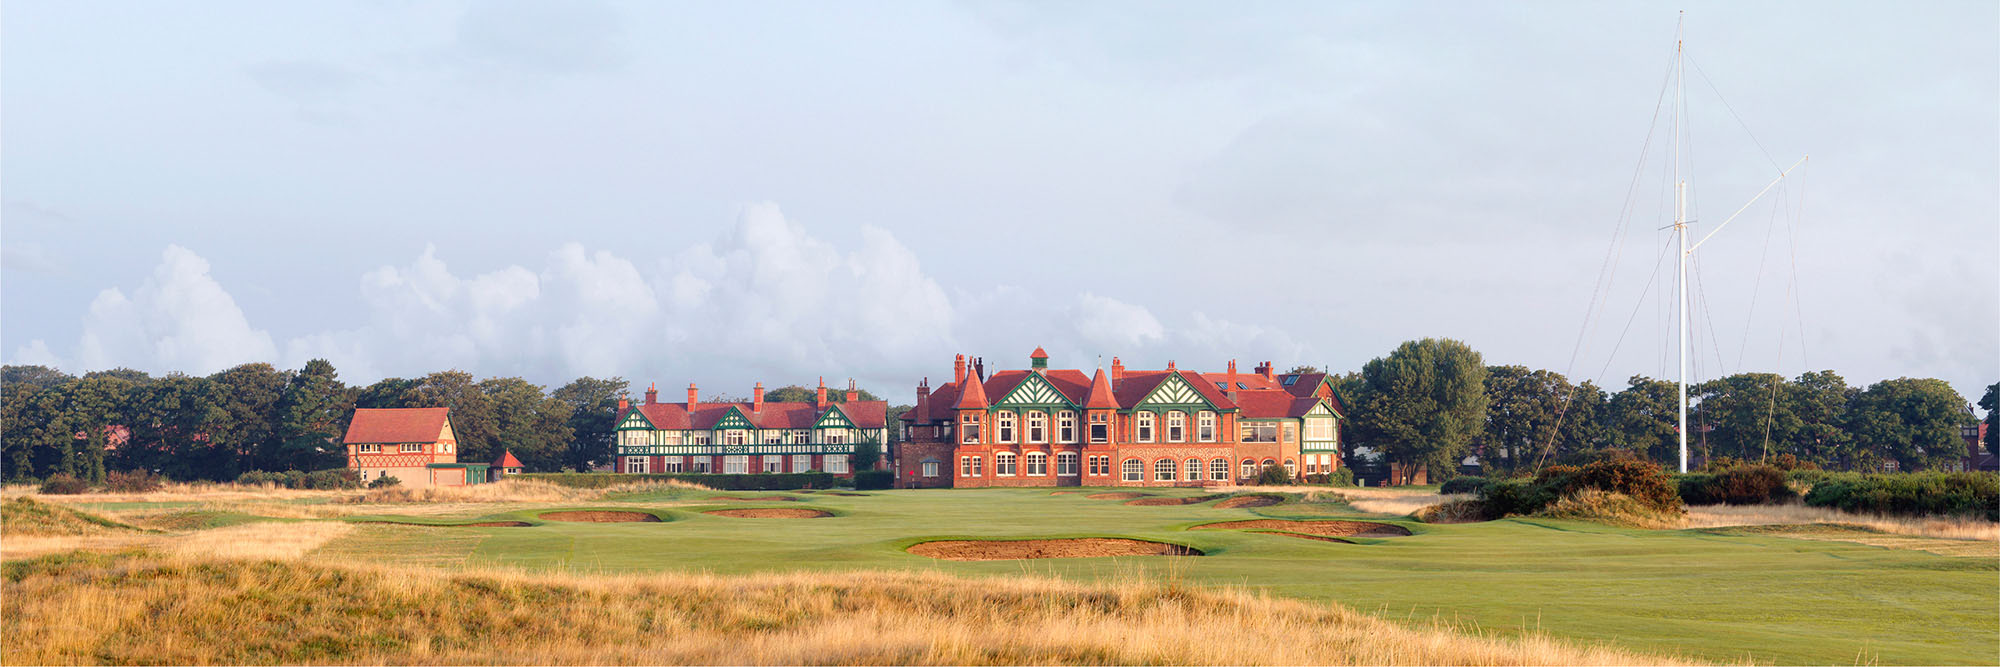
{"points": [[635, 465], [835, 463], [968, 425], [1191, 470], [1176, 426], [673, 464], [1038, 427], [1205, 426], [1003, 464], [736, 464], [1142, 426], [733, 437], [1165, 473], [1066, 464], [930, 468], [1218, 470], [802, 462], [701, 464], [1036, 464], [1100, 428], [1132, 470], [1249, 468], [369, 449], [1066, 426], [1291, 468], [1003, 427], [413, 448], [774, 463]]}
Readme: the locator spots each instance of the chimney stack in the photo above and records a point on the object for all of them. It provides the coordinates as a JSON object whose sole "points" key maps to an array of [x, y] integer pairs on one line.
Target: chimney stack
{"points": [[1264, 369], [1117, 369], [979, 367], [694, 398], [623, 405], [757, 398], [1170, 365], [923, 402], [958, 369], [819, 398], [853, 394], [652, 393], [1232, 370]]}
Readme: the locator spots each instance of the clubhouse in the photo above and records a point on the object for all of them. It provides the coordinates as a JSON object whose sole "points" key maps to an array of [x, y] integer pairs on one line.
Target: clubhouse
{"points": [[747, 437]]}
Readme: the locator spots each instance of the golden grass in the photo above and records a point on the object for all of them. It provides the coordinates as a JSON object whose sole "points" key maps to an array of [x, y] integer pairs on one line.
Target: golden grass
{"points": [[1715, 516], [1612, 508], [182, 492], [515, 491], [1396, 501], [184, 608]]}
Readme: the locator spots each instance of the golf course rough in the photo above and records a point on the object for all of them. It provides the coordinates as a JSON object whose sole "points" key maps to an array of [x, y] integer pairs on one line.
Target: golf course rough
{"points": [[1073, 547]]}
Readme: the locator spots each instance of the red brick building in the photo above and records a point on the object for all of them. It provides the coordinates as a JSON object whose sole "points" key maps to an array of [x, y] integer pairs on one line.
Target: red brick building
{"points": [[752, 437], [1060, 427], [414, 445]]}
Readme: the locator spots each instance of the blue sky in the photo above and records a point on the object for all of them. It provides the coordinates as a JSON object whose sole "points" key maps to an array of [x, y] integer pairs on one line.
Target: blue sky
{"points": [[731, 192]]}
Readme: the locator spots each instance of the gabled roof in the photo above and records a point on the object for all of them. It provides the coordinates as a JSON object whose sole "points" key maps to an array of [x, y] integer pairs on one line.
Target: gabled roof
{"points": [[396, 425], [507, 460], [1137, 385], [676, 417], [1100, 392], [973, 396], [1273, 404]]}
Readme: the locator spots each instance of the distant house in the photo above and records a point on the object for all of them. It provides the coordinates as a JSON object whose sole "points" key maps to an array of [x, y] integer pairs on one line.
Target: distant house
{"points": [[506, 465], [414, 445], [757, 436]]}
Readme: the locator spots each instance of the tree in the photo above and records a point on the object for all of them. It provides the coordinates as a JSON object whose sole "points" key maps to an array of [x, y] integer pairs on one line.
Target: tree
{"points": [[1423, 404], [472, 415], [1302, 368], [1991, 404], [593, 405], [175, 421], [532, 426], [312, 416], [39, 377], [1535, 417], [1819, 401], [1744, 413], [801, 394], [250, 394], [1912, 421], [1643, 420]]}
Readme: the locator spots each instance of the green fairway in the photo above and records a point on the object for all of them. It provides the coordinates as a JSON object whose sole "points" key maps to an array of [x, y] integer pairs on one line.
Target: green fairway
{"points": [[1706, 595]]}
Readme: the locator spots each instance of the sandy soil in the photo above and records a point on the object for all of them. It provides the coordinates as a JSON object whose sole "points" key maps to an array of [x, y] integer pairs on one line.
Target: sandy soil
{"points": [[1116, 496], [1190, 500], [1329, 528], [771, 513], [599, 516], [1249, 501], [1322, 538], [1085, 547]]}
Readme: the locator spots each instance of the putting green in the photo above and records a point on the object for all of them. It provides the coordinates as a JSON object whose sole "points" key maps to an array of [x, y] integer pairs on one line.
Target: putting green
{"points": [[1701, 594]]}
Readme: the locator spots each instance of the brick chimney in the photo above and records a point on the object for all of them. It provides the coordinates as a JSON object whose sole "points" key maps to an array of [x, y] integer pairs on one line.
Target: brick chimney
{"points": [[652, 393], [623, 405], [1232, 369], [1170, 365], [923, 402], [853, 394], [979, 367], [958, 369], [1117, 369], [819, 398], [694, 397], [757, 398], [1264, 369]]}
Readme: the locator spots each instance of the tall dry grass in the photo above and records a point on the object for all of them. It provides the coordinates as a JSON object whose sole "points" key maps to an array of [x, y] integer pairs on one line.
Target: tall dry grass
{"points": [[181, 492], [178, 609], [1717, 516], [516, 491]]}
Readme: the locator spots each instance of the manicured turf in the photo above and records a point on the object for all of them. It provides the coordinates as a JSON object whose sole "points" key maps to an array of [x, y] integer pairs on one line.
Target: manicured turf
{"points": [[1701, 594]]}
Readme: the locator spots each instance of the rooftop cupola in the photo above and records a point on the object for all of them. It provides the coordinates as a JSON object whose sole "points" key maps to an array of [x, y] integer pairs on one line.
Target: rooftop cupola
{"points": [[1039, 360]]}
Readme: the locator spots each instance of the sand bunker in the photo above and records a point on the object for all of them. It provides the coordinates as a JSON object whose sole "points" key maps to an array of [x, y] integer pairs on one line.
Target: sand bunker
{"points": [[599, 516], [758, 499], [1321, 538], [772, 513], [1115, 496], [1084, 547], [1249, 501], [1328, 528], [1190, 500]]}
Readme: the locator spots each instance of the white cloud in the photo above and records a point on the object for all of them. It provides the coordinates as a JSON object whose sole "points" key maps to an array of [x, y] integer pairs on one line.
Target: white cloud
{"points": [[180, 318]]}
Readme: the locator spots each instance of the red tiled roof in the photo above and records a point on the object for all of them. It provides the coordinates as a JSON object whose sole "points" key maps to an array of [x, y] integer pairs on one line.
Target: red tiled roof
{"points": [[1038, 353], [1100, 392], [396, 425], [973, 395], [507, 460], [1137, 384], [675, 416], [1273, 403], [1265, 397]]}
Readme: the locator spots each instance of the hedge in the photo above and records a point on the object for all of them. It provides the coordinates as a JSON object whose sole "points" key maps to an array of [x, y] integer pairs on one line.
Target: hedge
{"points": [[1743, 484], [869, 480], [776, 481], [1911, 494], [1463, 484], [1645, 482]]}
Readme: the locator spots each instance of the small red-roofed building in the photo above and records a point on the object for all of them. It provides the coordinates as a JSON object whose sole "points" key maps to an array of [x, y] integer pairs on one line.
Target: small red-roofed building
{"points": [[755, 436], [414, 445], [506, 465], [1173, 427]]}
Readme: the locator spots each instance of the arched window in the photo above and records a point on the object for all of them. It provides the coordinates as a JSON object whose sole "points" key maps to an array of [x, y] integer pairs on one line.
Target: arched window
{"points": [[1291, 468], [1038, 464], [1249, 468], [1218, 470], [1066, 426], [1133, 470], [1003, 464], [1066, 464], [1003, 424], [1191, 470], [1163, 470], [1270, 462], [1143, 426], [1205, 426], [1038, 426], [1176, 426]]}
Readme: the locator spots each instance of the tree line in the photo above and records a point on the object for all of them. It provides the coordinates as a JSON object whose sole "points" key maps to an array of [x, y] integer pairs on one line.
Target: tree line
{"points": [[1434, 401]]}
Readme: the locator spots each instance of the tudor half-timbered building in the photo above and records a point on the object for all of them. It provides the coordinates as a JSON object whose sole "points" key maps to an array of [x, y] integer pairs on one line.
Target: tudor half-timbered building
{"points": [[414, 445], [1172, 427], [752, 437]]}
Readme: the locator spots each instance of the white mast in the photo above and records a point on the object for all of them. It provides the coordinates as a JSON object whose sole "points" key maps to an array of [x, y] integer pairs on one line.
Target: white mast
{"points": [[1680, 230]]}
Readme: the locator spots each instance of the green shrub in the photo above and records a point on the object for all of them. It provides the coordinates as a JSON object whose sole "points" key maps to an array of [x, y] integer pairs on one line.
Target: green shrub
{"points": [[384, 482], [332, 478], [1608, 507], [260, 478], [1643, 482], [137, 481], [1463, 484], [1751, 484], [65, 485], [1910, 494], [868, 480], [1274, 475], [782, 481]]}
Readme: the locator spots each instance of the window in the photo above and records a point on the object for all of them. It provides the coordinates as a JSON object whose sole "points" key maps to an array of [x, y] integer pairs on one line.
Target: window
{"points": [[1270, 462], [1066, 464], [1038, 464], [698, 438], [1290, 379], [972, 466], [773, 437], [969, 425], [1003, 425], [671, 437], [1066, 426], [833, 436], [1260, 432], [1291, 432], [1100, 465], [635, 464], [735, 465], [1319, 428], [444, 448], [1191, 470], [774, 463], [1291, 468], [1003, 464], [1249, 469], [1038, 427], [1177, 426], [802, 462], [732, 437], [413, 448], [1100, 430], [1222, 385], [930, 468], [1144, 429], [1218, 469], [370, 449], [1205, 427], [1163, 470], [673, 464], [836, 464], [701, 463], [1134, 470], [1312, 464]]}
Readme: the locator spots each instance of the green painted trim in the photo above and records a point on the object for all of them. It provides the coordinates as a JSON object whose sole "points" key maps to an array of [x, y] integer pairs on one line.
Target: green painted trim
{"points": [[1044, 384], [736, 413], [833, 412]]}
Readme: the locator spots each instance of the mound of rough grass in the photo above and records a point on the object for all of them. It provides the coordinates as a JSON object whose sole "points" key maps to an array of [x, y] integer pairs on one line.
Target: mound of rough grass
{"points": [[25, 517], [1616, 509], [151, 609]]}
